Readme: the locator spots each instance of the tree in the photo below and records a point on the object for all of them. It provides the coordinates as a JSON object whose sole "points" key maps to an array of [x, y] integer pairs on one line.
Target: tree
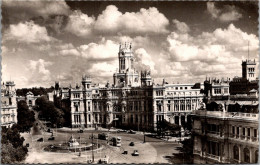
{"points": [[25, 117], [13, 150], [164, 126], [187, 149], [51, 113]]}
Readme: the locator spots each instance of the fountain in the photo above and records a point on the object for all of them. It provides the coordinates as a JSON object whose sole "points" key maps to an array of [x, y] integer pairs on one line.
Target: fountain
{"points": [[72, 146]]}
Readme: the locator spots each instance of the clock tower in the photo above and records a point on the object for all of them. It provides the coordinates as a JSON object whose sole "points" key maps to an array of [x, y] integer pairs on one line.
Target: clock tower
{"points": [[126, 75]]}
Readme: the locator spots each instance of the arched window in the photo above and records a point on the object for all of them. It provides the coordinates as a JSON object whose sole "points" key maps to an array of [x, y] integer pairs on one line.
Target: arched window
{"points": [[246, 155], [30, 102], [236, 152], [256, 156]]}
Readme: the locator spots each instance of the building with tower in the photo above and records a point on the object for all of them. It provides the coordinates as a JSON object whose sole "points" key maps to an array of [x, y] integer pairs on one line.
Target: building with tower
{"points": [[8, 104], [225, 127], [248, 81], [132, 101]]}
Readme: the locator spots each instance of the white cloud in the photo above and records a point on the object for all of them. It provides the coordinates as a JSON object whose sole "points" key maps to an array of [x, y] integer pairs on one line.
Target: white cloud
{"points": [[105, 49], [27, 32], [211, 53], [143, 60], [80, 24], [181, 26], [112, 21], [226, 14], [39, 71], [104, 69], [73, 52], [28, 9]]}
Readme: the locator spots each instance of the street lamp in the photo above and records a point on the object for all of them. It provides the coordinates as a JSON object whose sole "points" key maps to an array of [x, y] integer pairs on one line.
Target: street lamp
{"points": [[92, 137]]}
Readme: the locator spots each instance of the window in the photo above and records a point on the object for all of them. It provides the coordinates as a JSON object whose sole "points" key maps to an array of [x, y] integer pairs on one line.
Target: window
{"points": [[246, 155], [255, 132], [236, 153], [180, 87], [256, 156], [169, 107], [176, 88], [136, 118], [248, 132], [186, 87], [237, 130], [244, 131]]}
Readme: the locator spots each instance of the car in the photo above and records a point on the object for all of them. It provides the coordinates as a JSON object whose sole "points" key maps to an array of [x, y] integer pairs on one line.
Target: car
{"points": [[135, 153], [80, 131], [40, 140], [118, 131], [125, 152], [132, 144], [51, 138], [131, 132]]}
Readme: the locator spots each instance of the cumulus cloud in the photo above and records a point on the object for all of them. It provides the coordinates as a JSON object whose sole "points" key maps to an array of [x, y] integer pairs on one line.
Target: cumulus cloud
{"points": [[143, 60], [226, 14], [20, 10], [212, 52], [112, 21], [27, 32], [39, 70], [80, 24], [181, 26], [105, 49]]}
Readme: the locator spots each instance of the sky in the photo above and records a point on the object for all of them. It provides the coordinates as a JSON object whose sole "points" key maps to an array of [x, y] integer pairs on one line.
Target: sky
{"points": [[183, 42]]}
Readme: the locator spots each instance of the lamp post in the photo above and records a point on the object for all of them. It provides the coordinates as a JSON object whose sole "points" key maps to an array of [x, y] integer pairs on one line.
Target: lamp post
{"points": [[92, 137]]}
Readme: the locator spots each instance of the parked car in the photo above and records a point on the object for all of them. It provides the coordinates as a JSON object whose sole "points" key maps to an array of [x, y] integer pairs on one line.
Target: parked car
{"points": [[121, 130], [125, 152], [131, 132], [135, 153], [80, 131], [40, 140], [51, 138], [132, 144]]}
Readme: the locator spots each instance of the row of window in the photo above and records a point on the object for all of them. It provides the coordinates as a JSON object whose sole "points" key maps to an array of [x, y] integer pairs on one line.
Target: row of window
{"points": [[179, 93], [251, 69], [237, 131]]}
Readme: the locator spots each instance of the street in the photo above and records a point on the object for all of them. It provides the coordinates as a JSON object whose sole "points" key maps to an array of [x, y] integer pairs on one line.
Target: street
{"points": [[152, 151]]}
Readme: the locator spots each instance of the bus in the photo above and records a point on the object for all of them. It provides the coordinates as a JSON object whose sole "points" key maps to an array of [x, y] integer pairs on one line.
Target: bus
{"points": [[116, 141], [103, 136]]}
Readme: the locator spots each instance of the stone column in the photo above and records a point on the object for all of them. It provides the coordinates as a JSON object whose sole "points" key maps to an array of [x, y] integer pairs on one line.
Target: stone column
{"points": [[180, 119]]}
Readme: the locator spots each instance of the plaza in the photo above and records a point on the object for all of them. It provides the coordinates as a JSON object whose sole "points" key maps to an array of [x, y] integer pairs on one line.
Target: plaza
{"points": [[154, 150]]}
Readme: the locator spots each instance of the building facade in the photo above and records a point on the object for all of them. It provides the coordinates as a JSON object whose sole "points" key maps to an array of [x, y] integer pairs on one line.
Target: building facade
{"points": [[132, 101], [226, 132], [225, 127], [8, 104]]}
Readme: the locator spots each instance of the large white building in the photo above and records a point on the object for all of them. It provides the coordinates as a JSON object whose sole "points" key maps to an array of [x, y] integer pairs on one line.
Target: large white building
{"points": [[132, 101], [8, 104]]}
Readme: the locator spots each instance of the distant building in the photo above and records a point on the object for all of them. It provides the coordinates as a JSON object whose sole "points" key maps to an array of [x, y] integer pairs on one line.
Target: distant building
{"points": [[248, 81], [8, 104], [132, 101], [29, 99]]}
